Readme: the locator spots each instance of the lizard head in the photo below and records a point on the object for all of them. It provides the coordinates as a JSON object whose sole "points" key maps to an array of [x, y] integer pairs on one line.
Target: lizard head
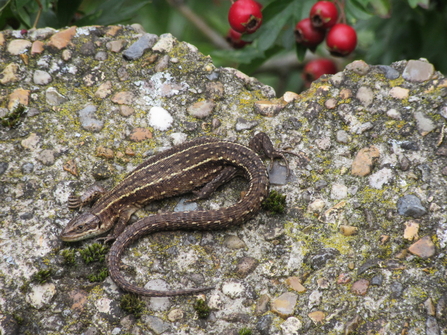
{"points": [[82, 227]]}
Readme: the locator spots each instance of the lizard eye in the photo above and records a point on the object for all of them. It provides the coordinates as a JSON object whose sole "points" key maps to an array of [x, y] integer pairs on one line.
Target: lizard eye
{"points": [[80, 227]]}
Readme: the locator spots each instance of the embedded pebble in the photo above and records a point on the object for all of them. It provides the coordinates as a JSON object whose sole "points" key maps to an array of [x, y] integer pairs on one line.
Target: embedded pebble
{"points": [[364, 160], [104, 90], [9, 74], [46, 157], [123, 98], [268, 108], [291, 326], [295, 284], [245, 266], [53, 97], [380, 178], [162, 63], [31, 142], [431, 326], [140, 134], [242, 124], [155, 324], [165, 43], [316, 206], [425, 125], [423, 248], [418, 71], [360, 287], [17, 47], [358, 66], [390, 73], [160, 119], [87, 119], [317, 316], [41, 77], [399, 92], [323, 143], [314, 298], [343, 137], [365, 95], [411, 230], [348, 230], [18, 96], [4, 167], [61, 39], [262, 305], [396, 289], [233, 289], [37, 47], [339, 191], [137, 49], [201, 109], [233, 242], [322, 256], [394, 114], [284, 305], [175, 315], [410, 205], [40, 296], [263, 325]]}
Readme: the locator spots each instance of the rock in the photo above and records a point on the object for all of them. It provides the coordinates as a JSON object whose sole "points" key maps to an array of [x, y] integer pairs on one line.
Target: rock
{"points": [[418, 71], [363, 162], [360, 287], [410, 205], [160, 118], [87, 119], [423, 248], [54, 98], [201, 109], [137, 49], [284, 305]]}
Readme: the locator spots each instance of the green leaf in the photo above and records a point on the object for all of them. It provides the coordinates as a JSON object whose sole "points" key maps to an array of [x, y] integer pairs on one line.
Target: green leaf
{"points": [[300, 51], [66, 11], [415, 3], [3, 4]]}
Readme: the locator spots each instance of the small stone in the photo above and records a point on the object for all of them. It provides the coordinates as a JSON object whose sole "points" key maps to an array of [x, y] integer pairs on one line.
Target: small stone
{"points": [[61, 39], [365, 95], [394, 114], [380, 178], [10, 74], [26, 168], [175, 315], [330, 103], [126, 110], [290, 96], [104, 152], [201, 109], [360, 287], [155, 324], [424, 124], [71, 167], [262, 305], [295, 284], [116, 46], [348, 230], [46, 157], [264, 323], [358, 66], [123, 98], [17, 47], [40, 296], [396, 290], [399, 92], [100, 55], [87, 119], [37, 47], [377, 280], [316, 206], [242, 124], [345, 93], [418, 71], [104, 90], [137, 49], [411, 230], [317, 316], [339, 191], [53, 97], [233, 289], [314, 298], [364, 161], [410, 205], [160, 119], [321, 257], [390, 73], [284, 305], [245, 266], [291, 326], [18, 96], [424, 248], [431, 326], [323, 143], [233, 242], [352, 325], [343, 279], [165, 43], [343, 137], [430, 307], [31, 142], [41, 77], [140, 134], [268, 108]]}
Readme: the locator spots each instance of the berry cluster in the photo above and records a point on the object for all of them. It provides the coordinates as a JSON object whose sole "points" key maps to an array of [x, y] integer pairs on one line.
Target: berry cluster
{"points": [[244, 16], [341, 39]]}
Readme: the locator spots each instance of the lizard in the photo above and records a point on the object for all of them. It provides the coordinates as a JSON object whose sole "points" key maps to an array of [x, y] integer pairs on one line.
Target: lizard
{"points": [[204, 163]]}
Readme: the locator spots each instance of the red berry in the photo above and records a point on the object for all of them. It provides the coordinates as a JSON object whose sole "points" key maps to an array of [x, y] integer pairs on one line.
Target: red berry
{"points": [[341, 40], [316, 68], [308, 35], [245, 16], [234, 39], [323, 14]]}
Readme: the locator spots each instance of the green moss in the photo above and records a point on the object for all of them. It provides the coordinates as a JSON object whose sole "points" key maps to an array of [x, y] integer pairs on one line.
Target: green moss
{"points": [[275, 203], [42, 276], [132, 304], [94, 253], [12, 119], [245, 331], [98, 277], [202, 309], [68, 256]]}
